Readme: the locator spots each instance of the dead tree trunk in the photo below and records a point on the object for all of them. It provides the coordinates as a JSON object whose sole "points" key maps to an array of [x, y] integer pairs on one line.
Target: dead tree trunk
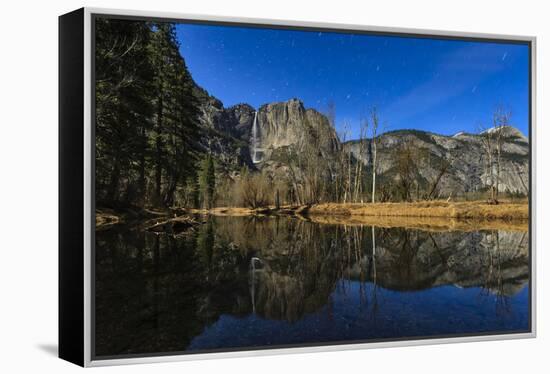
{"points": [[374, 120]]}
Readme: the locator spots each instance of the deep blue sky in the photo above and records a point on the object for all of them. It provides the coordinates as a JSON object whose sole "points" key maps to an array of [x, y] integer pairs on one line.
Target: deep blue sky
{"points": [[443, 86]]}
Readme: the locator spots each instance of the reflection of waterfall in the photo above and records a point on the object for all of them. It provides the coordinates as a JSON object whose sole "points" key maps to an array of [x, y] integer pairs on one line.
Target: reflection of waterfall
{"points": [[256, 150], [253, 281]]}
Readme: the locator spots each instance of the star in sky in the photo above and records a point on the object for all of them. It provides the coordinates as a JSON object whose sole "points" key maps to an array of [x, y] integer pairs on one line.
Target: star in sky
{"points": [[423, 83]]}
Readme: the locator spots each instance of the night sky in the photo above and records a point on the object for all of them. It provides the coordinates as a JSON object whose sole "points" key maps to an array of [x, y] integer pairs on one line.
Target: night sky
{"points": [[442, 86]]}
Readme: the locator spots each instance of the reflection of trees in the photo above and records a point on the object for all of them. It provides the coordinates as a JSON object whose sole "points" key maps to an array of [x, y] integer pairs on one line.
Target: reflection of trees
{"points": [[155, 293], [497, 280], [374, 298], [127, 289]]}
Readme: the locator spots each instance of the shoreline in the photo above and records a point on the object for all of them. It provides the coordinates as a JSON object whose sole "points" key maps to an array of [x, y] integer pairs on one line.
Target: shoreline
{"points": [[425, 215], [469, 210], [478, 210]]}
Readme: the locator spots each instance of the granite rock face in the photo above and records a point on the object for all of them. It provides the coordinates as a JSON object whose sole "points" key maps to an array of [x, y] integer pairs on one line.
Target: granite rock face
{"points": [[226, 131], [290, 124], [288, 127], [463, 152]]}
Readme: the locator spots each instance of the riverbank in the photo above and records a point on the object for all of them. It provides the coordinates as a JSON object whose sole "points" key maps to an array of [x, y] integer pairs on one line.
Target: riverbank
{"points": [[480, 210], [425, 215], [437, 215]]}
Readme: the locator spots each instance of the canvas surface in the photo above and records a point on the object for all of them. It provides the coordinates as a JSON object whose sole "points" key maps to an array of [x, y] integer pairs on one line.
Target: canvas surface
{"points": [[261, 187]]}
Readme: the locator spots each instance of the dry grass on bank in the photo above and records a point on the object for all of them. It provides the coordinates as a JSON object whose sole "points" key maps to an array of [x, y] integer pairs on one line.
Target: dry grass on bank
{"points": [[426, 215], [478, 210]]}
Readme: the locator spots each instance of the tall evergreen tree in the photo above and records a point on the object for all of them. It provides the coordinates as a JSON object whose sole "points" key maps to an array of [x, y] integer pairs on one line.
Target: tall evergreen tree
{"points": [[147, 128], [207, 182], [176, 131], [123, 106]]}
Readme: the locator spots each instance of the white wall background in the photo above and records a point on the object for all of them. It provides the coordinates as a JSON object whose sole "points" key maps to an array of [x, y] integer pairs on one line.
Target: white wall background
{"points": [[28, 184]]}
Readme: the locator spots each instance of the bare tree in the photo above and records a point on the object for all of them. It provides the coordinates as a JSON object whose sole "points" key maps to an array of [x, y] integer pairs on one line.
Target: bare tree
{"points": [[293, 178], [443, 167], [408, 158], [488, 142], [501, 119], [358, 184], [374, 141], [332, 189], [345, 165], [312, 165], [348, 184], [255, 190]]}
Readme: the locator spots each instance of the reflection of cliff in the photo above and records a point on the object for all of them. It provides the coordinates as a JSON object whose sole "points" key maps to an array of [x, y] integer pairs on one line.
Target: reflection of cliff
{"points": [[405, 259], [157, 292], [411, 260]]}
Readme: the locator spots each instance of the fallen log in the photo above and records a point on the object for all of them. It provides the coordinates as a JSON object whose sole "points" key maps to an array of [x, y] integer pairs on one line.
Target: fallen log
{"points": [[173, 225]]}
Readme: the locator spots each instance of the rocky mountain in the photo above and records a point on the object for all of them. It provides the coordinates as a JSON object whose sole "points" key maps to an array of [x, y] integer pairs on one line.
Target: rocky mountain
{"points": [[463, 153], [262, 140], [290, 124], [240, 135], [227, 130]]}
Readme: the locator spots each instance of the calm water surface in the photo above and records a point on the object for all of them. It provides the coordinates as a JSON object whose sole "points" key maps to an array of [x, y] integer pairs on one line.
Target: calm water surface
{"points": [[249, 282]]}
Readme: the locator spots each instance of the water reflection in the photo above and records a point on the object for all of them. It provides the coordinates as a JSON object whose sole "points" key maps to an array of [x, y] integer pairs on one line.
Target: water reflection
{"points": [[248, 281]]}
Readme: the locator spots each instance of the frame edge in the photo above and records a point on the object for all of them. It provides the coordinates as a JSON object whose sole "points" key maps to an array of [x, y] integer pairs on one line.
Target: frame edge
{"points": [[88, 12], [70, 251]]}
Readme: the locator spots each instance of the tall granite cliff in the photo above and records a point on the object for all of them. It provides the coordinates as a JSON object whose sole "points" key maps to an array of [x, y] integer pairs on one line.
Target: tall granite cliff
{"points": [[467, 171], [242, 136]]}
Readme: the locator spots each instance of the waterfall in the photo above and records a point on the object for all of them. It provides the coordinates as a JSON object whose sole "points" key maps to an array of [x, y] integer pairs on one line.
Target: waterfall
{"points": [[255, 139]]}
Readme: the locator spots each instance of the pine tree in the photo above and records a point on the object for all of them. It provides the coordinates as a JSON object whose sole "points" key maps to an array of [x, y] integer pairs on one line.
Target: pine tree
{"points": [[207, 182], [147, 127], [176, 131], [123, 107]]}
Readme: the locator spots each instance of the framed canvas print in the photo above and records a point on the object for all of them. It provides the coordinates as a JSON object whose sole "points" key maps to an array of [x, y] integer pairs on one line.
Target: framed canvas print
{"points": [[239, 186]]}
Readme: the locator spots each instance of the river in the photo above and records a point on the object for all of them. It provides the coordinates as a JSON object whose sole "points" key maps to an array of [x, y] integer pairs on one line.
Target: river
{"points": [[265, 282]]}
